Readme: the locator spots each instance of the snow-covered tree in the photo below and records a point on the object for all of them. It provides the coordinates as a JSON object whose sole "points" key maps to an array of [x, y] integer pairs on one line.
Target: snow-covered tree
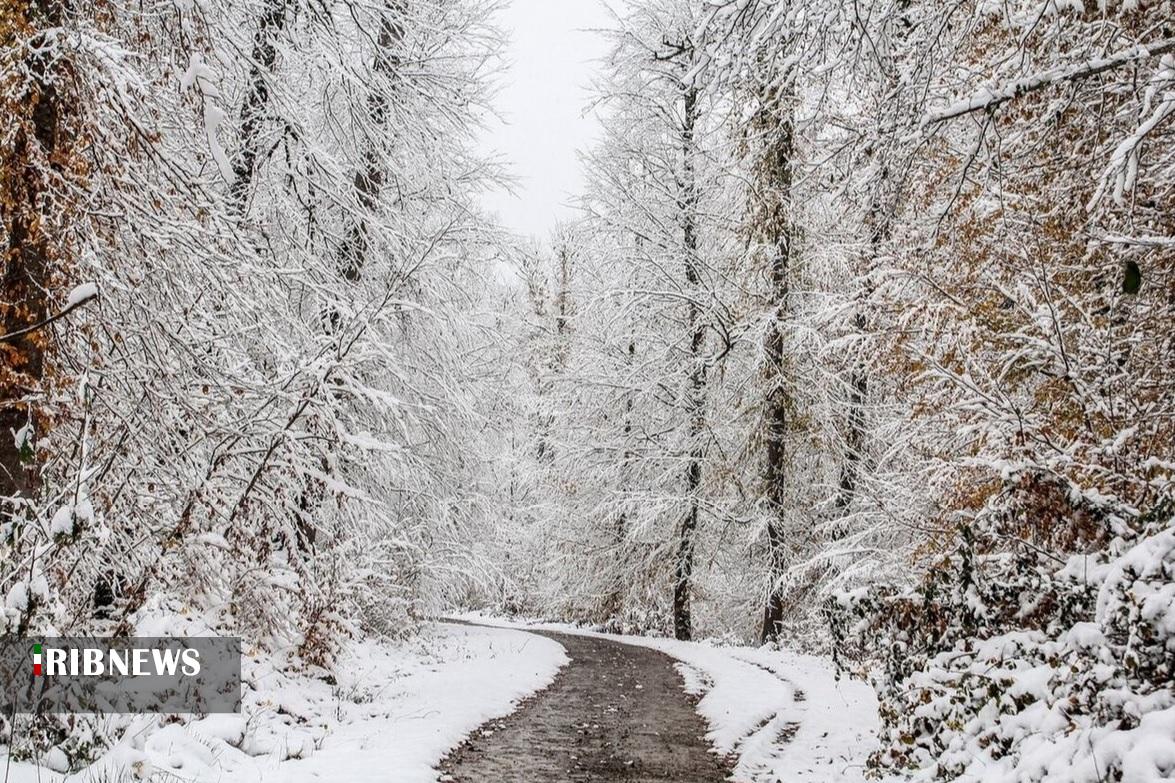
{"points": [[265, 423]]}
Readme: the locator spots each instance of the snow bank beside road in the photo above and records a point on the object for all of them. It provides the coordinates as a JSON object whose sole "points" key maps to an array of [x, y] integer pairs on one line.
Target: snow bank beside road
{"points": [[784, 715], [472, 676], [393, 713]]}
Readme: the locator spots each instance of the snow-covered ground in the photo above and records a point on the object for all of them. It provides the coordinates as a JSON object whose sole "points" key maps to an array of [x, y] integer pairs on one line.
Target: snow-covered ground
{"points": [[784, 715], [392, 714]]}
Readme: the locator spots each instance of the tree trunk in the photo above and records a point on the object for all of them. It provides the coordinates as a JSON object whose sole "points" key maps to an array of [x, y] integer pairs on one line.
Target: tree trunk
{"points": [[369, 179], [776, 228], [273, 19], [563, 303], [688, 204], [877, 223], [560, 351], [34, 156], [854, 438], [615, 600], [628, 455]]}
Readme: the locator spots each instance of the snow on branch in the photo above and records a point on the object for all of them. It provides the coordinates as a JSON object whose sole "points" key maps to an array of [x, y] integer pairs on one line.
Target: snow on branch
{"points": [[77, 297], [988, 98], [1158, 105], [1139, 241]]}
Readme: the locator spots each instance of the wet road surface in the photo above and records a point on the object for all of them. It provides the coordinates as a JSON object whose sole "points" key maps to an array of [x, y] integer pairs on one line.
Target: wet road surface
{"points": [[614, 713]]}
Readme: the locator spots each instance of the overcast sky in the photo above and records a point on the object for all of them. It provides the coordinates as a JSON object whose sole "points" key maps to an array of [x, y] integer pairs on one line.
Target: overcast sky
{"points": [[551, 61]]}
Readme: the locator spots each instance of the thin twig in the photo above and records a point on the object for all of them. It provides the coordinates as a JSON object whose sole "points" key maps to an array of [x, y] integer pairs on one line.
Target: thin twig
{"points": [[34, 327]]}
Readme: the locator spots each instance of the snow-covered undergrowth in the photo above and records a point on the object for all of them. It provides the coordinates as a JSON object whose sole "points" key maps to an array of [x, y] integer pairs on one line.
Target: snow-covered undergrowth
{"points": [[783, 715], [388, 712], [1002, 668]]}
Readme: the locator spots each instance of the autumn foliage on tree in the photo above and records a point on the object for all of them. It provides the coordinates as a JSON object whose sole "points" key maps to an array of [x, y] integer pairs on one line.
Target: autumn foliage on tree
{"points": [[41, 173]]}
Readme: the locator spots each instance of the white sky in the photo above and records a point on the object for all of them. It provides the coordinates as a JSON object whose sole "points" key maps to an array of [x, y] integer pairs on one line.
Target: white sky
{"points": [[551, 61]]}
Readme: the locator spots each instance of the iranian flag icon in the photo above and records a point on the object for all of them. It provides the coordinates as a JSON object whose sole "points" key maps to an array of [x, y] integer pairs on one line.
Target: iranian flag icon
{"points": [[37, 660]]}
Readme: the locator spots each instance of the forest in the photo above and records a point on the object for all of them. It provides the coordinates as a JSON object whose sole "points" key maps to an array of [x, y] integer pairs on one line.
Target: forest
{"points": [[860, 345]]}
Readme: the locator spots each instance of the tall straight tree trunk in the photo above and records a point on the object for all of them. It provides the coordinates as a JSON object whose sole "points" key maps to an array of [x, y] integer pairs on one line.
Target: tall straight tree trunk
{"points": [[775, 121], [878, 220], [34, 156], [369, 180], [615, 600], [561, 351], [850, 468], [878, 225], [695, 394], [628, 455], [563, 302], [256, 102]]}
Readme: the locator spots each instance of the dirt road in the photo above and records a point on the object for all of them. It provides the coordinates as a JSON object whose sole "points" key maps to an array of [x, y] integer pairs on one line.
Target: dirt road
{"points": [[614, 713]]}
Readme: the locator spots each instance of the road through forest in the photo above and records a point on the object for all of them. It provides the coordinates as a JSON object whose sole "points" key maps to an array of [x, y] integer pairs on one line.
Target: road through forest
{"points": [[615, 712]]}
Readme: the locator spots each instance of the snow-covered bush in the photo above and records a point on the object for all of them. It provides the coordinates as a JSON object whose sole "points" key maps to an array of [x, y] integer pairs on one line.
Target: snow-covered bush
{"points": [[1010, 665]]}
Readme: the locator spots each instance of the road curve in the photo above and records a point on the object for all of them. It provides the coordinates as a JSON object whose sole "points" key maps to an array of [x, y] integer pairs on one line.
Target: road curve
{"points": [[616, 712]]}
